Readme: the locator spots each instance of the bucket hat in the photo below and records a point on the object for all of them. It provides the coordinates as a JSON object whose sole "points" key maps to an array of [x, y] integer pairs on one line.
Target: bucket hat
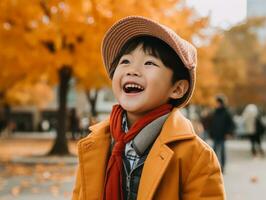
{"points": [[133, 26]]}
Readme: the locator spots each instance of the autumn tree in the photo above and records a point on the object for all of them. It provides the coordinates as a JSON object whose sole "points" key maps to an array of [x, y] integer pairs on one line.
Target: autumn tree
{"points": [[16, 84], [240, 64], [53, 41]]}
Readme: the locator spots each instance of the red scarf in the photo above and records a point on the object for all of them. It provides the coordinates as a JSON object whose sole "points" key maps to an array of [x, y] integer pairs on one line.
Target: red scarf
{"points": [[113, 180]]}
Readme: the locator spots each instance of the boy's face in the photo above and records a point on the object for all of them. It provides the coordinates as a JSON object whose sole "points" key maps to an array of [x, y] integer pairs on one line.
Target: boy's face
{"points": [[141, 82]]}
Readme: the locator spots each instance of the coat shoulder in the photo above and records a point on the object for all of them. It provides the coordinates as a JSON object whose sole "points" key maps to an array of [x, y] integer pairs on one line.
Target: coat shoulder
{"points": [[190, 151], [195, 146], [100, 129]]}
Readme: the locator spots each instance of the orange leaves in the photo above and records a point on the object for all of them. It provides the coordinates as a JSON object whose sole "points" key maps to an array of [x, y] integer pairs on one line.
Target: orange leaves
{"points": [[15, 191], [19, 180], [36, 179], [45, 35], [239, 64], [25, 93]]}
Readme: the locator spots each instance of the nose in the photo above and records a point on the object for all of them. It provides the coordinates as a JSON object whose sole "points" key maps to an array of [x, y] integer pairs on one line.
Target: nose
{"points": [[133, 71]]}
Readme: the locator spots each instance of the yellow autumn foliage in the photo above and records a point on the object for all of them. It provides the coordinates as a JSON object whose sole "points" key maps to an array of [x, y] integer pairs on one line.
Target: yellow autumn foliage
{"points": [[38, 37], [240, 64]]}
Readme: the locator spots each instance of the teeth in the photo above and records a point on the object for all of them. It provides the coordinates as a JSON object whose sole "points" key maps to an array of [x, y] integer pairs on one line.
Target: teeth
{"points": [[131, 85]]}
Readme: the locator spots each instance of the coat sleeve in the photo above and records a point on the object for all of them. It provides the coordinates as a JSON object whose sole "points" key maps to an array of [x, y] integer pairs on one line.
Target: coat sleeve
{"points": [[205, 181], [76, 194]]}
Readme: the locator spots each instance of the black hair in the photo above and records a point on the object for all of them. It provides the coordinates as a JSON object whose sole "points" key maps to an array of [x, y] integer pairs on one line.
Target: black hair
{"points": [[159, 49], [221, 100]]}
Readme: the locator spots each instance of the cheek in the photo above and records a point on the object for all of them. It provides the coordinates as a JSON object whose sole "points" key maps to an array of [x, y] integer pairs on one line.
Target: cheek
{"points": [[159, 82], [160, 86], [116, 83]]}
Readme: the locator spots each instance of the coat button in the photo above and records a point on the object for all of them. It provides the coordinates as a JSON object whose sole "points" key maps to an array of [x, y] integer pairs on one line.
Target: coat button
{"points": [[162, 156]]}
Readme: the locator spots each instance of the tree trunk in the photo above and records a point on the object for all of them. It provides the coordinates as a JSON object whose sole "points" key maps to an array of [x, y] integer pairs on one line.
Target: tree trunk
{"points": [[5, 112], [60, 146], [92, 98]]}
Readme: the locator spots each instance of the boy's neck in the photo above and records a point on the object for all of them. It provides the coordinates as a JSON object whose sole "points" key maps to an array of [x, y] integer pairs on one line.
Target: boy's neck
{"points": [[132, 118]]}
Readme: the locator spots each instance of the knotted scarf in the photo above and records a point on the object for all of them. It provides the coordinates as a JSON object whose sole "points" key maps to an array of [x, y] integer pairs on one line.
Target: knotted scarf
{"points": [[113, 180]]}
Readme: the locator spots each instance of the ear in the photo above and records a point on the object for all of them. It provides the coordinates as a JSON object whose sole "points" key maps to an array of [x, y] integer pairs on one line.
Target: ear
{"points": [[179, 89]]}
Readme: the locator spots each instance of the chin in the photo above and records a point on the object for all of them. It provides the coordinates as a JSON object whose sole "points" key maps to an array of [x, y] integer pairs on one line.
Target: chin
{"points": [[131, 107]]}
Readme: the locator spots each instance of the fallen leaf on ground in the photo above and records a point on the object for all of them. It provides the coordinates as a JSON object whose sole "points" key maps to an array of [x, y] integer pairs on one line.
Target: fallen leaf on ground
{"points": [[254, 179], [54, 190], [35, 190], [15, 191]]}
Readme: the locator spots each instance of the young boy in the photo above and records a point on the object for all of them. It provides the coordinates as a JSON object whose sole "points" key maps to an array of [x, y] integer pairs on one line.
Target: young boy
{"points": [[147, 149]]}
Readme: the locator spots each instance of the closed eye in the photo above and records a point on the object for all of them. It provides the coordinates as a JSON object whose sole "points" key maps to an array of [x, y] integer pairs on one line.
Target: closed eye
{"points": [[151, 63]]}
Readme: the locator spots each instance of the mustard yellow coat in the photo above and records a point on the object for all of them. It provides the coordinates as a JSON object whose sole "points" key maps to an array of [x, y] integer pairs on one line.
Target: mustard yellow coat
{"points": [[180, 166]]}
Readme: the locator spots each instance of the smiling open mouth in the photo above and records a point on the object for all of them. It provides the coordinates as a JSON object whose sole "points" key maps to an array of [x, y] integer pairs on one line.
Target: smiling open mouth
{"points": [[132, 88]]}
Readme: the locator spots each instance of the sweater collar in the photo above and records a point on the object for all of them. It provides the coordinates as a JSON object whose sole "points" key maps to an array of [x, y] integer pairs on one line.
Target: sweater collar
{"points": [[148, 135]]}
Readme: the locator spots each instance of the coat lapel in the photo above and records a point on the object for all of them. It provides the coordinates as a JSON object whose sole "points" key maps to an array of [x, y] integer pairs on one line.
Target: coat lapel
{"points": [[175, 128], [94, 151], [153, 170]]}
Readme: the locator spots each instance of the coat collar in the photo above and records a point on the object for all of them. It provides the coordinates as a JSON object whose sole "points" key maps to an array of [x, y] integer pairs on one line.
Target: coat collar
{"points": [[176, 127]]}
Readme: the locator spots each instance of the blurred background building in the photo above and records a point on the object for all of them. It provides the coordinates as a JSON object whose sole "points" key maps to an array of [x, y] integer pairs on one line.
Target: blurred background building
{"points": [[257, 8], [28, 118]]}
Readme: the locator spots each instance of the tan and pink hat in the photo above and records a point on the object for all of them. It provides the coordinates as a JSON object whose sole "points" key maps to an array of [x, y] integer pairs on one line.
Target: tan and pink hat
{"points": [[133, 26]]}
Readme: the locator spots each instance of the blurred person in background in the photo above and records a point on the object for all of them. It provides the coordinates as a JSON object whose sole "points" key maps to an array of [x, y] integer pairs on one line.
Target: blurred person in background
{"points": [[221, 126], [253, 128]]}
